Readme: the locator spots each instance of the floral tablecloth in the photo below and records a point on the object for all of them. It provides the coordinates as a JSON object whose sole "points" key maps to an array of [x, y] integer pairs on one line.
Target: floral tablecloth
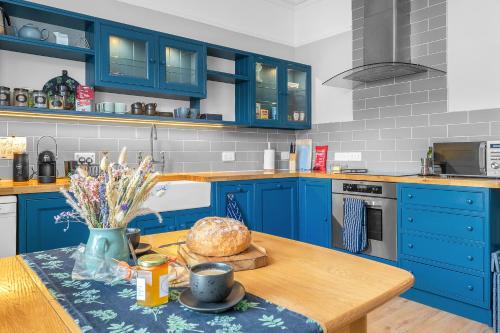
{"points": [[100, 307]]}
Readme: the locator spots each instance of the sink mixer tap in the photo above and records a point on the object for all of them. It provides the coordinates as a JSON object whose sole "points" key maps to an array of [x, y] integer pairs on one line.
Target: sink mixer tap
{"points": [[153, 136]]}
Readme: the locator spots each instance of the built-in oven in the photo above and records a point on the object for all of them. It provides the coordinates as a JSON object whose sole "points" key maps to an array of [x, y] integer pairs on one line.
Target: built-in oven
{"points": [[381, 215]]}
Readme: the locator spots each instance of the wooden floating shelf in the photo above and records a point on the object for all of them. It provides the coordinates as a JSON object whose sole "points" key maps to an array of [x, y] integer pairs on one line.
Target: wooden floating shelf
{"points": [[43, 48], [42, 113], [225, 77]]}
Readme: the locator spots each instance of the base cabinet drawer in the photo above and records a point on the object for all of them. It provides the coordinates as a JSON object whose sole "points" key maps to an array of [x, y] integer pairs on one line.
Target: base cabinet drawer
{"points": [[448, 252], [451, 284], [462, 226], [454, 199]]}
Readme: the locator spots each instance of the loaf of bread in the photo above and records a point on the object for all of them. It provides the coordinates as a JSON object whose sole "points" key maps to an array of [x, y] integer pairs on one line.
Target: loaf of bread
{"points": [[218, 237]]}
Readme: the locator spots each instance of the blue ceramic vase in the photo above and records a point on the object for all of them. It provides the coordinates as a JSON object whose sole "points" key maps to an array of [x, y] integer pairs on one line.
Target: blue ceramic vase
{"points": [[106, 243]]}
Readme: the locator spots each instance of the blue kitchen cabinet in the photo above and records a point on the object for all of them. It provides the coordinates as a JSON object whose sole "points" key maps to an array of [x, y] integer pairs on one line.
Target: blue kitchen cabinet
{"points": [[184, 219], [315, 211], [297, 96], [445, 238], [276, 207], [182, 66], [149, 224], [127, 56], [281, 94], [37, 229], [140, 61], [243, 194]]}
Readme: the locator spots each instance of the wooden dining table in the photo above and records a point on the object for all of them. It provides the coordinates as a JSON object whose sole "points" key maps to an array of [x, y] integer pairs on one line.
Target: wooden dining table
{"points": [[334, 288]]}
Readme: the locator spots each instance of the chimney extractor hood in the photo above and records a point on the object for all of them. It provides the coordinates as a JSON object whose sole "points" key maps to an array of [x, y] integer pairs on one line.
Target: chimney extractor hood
{"points": [[386, 46]]}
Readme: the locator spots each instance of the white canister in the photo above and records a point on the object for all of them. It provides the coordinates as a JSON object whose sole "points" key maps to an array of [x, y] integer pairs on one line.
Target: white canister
{"points": [[269, 155]]}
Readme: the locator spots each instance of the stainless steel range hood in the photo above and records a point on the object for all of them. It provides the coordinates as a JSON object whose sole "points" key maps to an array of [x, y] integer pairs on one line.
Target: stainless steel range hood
{"points": [[386, 46]]}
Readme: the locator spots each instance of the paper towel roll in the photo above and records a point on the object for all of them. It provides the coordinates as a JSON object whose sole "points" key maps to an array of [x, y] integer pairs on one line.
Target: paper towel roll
{"points": [[269, 155]]}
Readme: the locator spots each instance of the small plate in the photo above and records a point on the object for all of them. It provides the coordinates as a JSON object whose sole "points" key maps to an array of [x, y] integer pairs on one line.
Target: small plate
{"points": [[237, 293], [143, 248]]}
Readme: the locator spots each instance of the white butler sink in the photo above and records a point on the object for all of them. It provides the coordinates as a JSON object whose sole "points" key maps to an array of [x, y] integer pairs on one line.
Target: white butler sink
{"points": [[179, 195]]}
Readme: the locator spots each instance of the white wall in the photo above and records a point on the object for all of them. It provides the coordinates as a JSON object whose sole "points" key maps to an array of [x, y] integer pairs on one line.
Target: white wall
{"points": [[473, 54], [327, 57], [159, 21], [319, 19], [323, 33], [265, 19]]}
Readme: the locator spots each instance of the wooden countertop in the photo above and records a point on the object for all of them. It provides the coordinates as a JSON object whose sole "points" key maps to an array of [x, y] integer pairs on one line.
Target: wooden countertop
{"points": [[334, 288], [8, 187]]}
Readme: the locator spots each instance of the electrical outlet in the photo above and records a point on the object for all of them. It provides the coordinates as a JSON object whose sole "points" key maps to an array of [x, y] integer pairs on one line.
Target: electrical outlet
{"points": [[228, 156], [348, 157], [85, 156], [285, 156]]}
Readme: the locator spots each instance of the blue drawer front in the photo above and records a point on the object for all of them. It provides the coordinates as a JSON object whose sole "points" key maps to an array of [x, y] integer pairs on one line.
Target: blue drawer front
{"points": [[458, 254], [468, 227], [451, 284], [468, 200]]}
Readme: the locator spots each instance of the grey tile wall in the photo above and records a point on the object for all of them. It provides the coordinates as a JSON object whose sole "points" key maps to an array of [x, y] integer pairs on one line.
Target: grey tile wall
{"points": [[395, 121], [186, 149]]}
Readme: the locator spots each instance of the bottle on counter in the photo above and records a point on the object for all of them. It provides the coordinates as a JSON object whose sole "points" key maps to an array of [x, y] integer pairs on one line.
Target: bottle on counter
{"points": [[292, 161]]}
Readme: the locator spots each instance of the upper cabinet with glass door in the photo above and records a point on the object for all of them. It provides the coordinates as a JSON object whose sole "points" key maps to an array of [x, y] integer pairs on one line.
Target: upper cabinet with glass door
{"points": [[134, 59], [267, 92], [127, 56], [282, 94], [298, 96], [182, 66]]}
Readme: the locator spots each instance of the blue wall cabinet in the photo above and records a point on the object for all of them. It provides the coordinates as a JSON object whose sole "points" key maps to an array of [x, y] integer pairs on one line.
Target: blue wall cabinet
{"points": [[297, 96], [276, 206], [127, 56], [445, 237], [182, 66], [281, 94], [315, 211], [37, 229], [268, 92], [243, 194]]}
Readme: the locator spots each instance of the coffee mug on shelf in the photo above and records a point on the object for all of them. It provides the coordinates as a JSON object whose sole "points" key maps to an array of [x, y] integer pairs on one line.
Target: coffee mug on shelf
{"points": [[120, 108], [108, 107]]}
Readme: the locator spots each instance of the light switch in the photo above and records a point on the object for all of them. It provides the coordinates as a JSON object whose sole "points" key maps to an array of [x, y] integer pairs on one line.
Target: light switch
{"points": [[285, 156], [228, 156]]}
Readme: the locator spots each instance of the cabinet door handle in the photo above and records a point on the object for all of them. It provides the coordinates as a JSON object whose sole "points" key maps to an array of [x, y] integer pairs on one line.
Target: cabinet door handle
{"points": [[279, 186], [152, 60], [239, 189], [410, 245], [469, 201], [410, 219], [326, 219], [470, 258], [470, 228], [410, 196], [471, 288]]}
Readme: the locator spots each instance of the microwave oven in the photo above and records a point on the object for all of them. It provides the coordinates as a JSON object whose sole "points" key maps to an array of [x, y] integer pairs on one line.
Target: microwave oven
{"points": [[476, 159]]}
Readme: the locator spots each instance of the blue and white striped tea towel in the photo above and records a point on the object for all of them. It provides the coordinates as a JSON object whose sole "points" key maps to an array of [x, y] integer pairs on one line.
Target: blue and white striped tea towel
{"points": [[232, 209], [354, 232], [495, 268]]}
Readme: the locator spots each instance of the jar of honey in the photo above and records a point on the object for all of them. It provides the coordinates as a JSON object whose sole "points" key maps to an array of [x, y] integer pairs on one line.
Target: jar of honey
{"points": [[152, 280]]}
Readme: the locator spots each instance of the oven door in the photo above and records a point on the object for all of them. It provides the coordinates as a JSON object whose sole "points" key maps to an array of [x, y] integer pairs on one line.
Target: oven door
{"points": [[381, 221], [460, 158]]}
